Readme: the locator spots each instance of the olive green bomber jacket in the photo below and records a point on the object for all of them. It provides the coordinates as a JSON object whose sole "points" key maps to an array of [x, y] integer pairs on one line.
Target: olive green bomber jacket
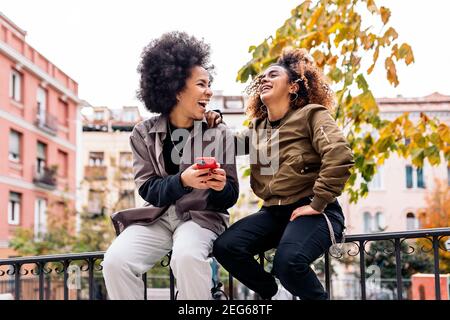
{"points": [[309, 157]]}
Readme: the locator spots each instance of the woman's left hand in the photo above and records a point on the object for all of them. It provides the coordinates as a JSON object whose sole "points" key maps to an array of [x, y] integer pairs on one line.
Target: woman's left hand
{"points": [[217, 179], [303, 211], [213, 118]]}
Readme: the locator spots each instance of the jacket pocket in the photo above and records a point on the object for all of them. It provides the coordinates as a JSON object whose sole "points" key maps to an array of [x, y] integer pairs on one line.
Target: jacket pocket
{"points": [[304, 167], [299, 164]]}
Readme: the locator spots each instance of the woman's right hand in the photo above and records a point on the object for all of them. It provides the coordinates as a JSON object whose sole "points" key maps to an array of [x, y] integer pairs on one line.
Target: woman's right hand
{"points": [[195, 178]]}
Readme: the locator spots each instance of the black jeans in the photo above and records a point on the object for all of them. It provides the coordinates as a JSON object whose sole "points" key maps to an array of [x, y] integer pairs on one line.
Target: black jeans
{"points": [[298, 243]]}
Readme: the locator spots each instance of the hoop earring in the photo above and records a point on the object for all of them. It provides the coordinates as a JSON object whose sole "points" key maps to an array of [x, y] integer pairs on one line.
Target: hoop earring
{"points": [[296, 96]]}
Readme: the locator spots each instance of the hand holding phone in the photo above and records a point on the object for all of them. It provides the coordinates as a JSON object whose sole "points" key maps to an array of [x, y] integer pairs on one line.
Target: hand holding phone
{"points": [[217, 179], [206, 163]]}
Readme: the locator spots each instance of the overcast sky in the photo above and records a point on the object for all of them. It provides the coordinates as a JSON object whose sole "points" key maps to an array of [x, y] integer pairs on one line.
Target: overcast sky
{"points": [[98, 42]]}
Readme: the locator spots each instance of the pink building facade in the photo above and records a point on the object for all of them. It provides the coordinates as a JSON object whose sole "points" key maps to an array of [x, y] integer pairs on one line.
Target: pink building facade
{"points": [[39, 107]]}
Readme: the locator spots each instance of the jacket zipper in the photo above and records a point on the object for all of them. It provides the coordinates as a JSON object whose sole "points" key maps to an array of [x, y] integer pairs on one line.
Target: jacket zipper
{"points": [[323, 132]]}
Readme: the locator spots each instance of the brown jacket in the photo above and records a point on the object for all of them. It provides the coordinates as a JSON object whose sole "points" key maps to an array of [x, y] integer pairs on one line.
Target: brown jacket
{"points": [[314, 158], [146, 142]]}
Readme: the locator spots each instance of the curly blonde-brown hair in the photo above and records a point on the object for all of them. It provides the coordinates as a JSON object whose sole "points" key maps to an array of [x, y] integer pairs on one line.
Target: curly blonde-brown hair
{"points": [[313, 85]]}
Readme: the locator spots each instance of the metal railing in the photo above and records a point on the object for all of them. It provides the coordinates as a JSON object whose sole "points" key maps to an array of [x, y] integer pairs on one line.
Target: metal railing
{"points": [[46, 121], [95, 172], [19, 269], [45, 177], [397, 239]]}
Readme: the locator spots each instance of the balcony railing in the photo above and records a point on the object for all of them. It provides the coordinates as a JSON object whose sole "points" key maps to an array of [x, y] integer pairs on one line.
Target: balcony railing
{"points": [[45, 177], [126, 172], [46, 121], [95, 172], [70, 267]]}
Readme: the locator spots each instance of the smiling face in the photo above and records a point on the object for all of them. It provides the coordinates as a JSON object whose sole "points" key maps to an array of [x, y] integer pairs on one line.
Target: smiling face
{"points": [[275, 87], [195, 96]]}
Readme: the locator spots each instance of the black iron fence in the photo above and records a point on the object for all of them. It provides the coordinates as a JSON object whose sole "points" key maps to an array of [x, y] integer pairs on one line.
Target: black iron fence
{"points": [[54, 276]]}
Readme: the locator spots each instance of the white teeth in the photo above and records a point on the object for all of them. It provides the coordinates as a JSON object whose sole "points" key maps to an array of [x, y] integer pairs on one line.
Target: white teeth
{"points": [[203, 103]]}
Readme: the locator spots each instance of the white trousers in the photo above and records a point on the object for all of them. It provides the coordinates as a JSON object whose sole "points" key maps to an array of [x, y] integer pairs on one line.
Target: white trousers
{"points": [[139, 247]]}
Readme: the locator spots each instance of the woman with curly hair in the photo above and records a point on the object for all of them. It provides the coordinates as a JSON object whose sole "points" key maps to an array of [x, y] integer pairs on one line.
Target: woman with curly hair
{"points": [[289, 106], [186, 207]]}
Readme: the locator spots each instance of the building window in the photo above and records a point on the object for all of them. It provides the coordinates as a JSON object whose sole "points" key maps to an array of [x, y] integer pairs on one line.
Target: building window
{"points": [[15, 139], [126, 165], [129, 116], [126, 159], [62, 163], [96, 159], [409, 177], [368, 222], [99, 115], [420, 178], [63, 113], [15, 86], [15, 200], [41, 99], [126, 199], [380, 221], [95, 202], [377, 181], [411, 221], [40, 218], [414, 177], [41, 157]]}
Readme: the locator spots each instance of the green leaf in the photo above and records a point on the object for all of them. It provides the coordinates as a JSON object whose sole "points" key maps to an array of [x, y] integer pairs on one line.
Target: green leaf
{"points": [[246, 173], [367, 100], [359, 161], [362, 83], [432, 153], [417, 156], [335, 74], [245, 72]]}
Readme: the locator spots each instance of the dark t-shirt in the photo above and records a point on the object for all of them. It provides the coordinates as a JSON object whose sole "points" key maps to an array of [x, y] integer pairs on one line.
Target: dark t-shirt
{"points": [[161, 192], [169, 144]]}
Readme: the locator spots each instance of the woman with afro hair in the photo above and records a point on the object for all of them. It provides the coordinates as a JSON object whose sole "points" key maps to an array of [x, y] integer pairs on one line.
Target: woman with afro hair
{"points": [[289, 106], [186, 207]]}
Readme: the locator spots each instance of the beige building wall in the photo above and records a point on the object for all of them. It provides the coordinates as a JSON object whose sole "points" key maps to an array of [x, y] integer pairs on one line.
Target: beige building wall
{"points": [[232, 109], [389, 202], [107, 164]]}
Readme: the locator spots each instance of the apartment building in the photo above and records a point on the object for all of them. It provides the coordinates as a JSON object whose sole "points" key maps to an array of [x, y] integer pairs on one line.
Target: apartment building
{"points": [[39, 107]]}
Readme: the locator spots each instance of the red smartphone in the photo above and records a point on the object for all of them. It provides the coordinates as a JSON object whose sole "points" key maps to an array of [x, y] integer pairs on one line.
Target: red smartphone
{"points": [[206, 163]]}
